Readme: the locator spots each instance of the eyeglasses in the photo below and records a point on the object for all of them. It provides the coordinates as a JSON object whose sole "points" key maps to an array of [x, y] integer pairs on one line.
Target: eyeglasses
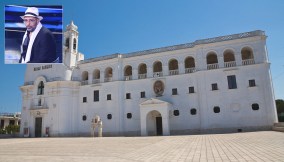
{"points": [[29, 20]]}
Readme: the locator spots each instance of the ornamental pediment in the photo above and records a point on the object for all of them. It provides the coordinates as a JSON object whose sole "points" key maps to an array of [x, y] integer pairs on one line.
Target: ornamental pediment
{"points": [[153, 101]]}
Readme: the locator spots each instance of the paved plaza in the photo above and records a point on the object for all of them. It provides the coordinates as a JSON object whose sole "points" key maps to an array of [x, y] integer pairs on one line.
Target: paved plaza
{"points": [[251, 146]]}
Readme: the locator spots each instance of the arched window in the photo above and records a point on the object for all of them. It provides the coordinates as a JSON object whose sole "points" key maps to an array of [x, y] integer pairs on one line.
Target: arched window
{"points": [[142, 71], [247, 56], [157, 69], [74, 44], [96, 76], [212, 61], [173, 67], [85, 78], [40, 88], [229, 58], [189, 65], [108, 74], [128, 73]]}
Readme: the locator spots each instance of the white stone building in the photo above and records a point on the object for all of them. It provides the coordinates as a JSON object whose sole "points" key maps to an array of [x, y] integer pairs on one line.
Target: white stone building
{"points": [[211, 85]]}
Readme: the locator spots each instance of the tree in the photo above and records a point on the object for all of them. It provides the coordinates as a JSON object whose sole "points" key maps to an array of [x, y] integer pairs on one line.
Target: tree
{"points": [[280, 106], [12, 129]]}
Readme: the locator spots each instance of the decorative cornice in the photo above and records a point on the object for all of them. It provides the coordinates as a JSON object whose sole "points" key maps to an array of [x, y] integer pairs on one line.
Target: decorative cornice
{"points": [[177, 47]]}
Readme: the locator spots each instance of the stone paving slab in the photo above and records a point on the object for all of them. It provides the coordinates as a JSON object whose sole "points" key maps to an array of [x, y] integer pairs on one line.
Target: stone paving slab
{"points": [[251, 146]]}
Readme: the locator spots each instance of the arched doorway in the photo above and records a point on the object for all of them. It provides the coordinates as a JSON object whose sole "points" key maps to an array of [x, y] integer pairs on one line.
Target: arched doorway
{"points": [[154, 123], [154, 117]]}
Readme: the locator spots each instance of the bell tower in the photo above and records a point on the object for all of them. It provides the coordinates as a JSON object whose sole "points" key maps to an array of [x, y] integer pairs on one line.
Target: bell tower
{"points": [[71, 54]]}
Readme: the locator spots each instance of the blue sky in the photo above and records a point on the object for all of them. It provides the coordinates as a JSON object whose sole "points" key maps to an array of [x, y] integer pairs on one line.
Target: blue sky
{"points": [[122, 26]]}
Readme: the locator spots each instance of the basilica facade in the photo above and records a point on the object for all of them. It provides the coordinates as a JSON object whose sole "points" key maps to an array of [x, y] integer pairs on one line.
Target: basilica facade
{"points": [[220, 84]]}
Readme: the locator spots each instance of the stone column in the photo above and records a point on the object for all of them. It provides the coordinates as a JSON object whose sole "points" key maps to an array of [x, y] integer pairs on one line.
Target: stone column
{"points": [[238, 58], [90, 77], [181, 68]]}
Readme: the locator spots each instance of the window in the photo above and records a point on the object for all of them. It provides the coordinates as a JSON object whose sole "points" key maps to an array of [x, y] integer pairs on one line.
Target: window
{"points": [[252, 83], [128, 95], [40, 88], [176, 112], [109, 97], [84, 117], [193, 111], [255, 106], [129, 115], [190, 89], [216, 109], [232, 83], [84, 99], [39, 102], [67, 42], [174, 91], [2, 124], [109, 116], [142, 94], [96, 96], [12, 122], [74, 44], [214, 86]]}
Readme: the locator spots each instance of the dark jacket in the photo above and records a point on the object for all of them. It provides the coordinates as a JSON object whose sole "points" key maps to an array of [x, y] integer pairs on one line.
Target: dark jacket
{"points": [[44, 47]]}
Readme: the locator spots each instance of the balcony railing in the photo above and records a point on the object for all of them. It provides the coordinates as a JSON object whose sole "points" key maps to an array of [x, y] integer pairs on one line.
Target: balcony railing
{"points": [[173, 72], [157, 74], [230, 64], [128, 77], [212, 66], [248, 62], [190, 70], [108, 79], [95, 81], [142, 76], [35, 107], [84, 82]]}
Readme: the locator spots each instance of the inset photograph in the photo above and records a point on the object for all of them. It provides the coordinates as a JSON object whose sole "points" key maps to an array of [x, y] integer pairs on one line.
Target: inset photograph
{"points": [[33, 34]]}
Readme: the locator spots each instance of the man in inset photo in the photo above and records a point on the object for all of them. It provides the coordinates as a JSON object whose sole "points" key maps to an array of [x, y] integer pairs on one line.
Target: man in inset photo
{"points": [[38, 44]]}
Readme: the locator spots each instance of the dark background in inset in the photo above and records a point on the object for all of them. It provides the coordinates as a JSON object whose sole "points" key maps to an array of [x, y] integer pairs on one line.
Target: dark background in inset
{"points": [[15, 29]]}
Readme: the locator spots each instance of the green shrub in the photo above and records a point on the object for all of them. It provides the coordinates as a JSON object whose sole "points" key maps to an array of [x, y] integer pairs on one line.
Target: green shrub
{"points": [[12, 129], [2, 131]]}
